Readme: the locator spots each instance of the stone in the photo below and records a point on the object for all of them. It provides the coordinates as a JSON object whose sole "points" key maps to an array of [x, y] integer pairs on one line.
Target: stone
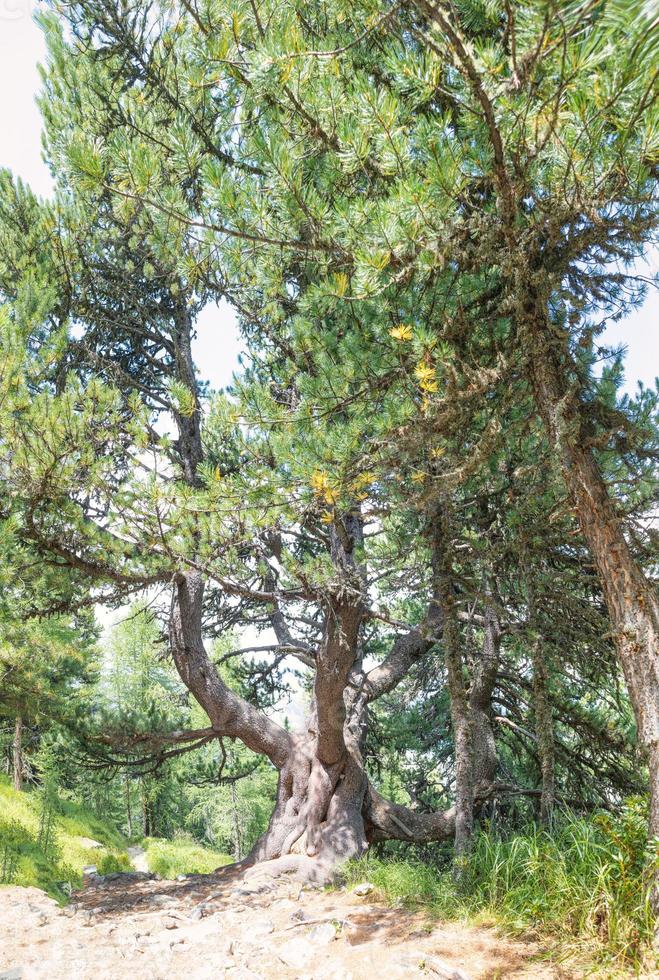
{"points": [[296, 953], [169, 922], [434, 966], [161, 899], [283, 904], [264, 928], [323, 934], [202, 910], [365, 888]]}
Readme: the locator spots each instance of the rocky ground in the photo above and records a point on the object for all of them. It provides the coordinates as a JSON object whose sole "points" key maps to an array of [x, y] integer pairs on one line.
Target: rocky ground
{"points": [[259, 924]]}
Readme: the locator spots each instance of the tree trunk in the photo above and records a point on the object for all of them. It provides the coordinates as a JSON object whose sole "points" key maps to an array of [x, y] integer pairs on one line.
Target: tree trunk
{"points": [[544, 729], [237, 843], [129, 815], [631, 600], [146, 813], [18, 753], [544, 722], [461, 715]]}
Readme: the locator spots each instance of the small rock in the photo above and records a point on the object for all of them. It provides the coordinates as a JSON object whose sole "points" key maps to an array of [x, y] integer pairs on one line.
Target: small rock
{"points": [[169, 922], [296, 953], [434, 966], [202, 910], [283, 904], [15, 973], [264, 928], [365, 888], [298, 916], [323, 934], [161, 899]]}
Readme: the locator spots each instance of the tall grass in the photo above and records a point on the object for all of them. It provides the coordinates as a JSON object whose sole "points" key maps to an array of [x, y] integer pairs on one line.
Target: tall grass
{"points": [[585, 883], [182, 855]]}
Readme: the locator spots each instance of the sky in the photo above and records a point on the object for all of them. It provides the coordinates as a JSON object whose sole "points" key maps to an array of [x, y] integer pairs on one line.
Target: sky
{"points": [[218, 344]]}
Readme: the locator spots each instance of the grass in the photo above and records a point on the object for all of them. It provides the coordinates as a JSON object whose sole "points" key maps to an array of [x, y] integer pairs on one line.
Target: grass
{"points": [[57, 868], [584, 885], [182, 855]]}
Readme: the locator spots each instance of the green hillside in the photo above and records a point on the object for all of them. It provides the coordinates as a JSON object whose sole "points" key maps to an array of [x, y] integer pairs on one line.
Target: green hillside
{"points": [[53, 861]]}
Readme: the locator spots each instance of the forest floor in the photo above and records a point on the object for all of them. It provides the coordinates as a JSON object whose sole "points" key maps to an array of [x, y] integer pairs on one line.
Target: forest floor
{"points": [[245, 926]]}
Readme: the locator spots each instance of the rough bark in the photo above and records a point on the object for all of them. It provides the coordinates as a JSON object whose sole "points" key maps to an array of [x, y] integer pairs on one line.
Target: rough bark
{"points": [[485, 673], [229, 714], [544, 729], [17, 753], [630, 598]]}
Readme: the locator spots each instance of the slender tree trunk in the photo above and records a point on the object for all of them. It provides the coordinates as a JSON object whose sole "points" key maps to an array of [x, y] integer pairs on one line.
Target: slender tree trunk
{"points": [[544, 728], [129, 815], [630, 598], [544, 722], [146, 813], [461, 716], [18, 753], [237, 843]]}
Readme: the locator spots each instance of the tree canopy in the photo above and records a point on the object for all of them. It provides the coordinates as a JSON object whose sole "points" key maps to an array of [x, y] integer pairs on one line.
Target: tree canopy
{"points": [[422, 506]]}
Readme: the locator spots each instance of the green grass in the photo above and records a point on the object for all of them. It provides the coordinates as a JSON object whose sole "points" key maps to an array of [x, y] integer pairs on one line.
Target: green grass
{"points": [[61, 867], [182, 855], [584, 884]]}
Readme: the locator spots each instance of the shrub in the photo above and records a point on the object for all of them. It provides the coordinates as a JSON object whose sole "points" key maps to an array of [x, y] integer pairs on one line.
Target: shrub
{"points": [[113, 862]]}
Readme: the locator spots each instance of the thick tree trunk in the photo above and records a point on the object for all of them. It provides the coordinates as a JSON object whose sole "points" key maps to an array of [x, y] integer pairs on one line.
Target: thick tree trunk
{"points": [[319, 809], [17, 753], [631, 600]]}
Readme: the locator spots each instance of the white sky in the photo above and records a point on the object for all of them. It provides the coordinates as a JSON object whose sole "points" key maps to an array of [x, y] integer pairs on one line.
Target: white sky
{"points": [[218, 345]]}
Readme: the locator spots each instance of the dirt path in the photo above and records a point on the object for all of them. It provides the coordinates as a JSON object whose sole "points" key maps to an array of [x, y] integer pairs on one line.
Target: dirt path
{"points": [[255, 927], [138, 859]]}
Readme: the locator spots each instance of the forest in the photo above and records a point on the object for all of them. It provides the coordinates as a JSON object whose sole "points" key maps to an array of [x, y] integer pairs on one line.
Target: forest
{"points": [[386, 605]]}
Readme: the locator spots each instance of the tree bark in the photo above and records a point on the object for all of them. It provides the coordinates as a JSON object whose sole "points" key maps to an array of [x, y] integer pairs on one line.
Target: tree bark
{"points": [[237, 843], [17, 753], [461, 716], [630, 598], [544, 729]]}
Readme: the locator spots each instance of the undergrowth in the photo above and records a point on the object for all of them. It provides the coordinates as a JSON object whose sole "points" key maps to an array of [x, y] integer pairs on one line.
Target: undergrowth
{"points": [[182, 855], [585, 883]]}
